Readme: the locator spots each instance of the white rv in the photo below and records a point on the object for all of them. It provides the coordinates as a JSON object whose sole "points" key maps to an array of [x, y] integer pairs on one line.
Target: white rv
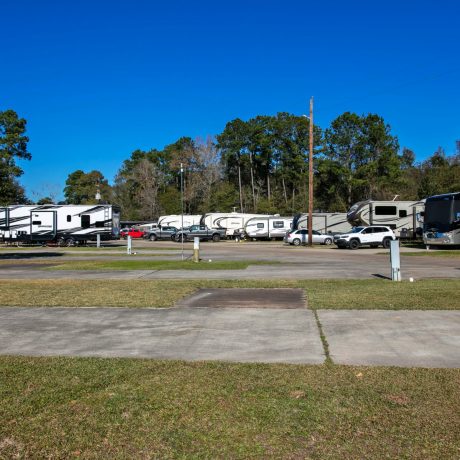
{"points": [[175, 220], [324, 222], [62, 224], [232, 222], [267, 227], [403, 217]]}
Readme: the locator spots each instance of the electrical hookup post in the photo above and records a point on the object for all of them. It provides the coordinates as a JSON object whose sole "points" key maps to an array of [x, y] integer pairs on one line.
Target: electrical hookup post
{"points": [[196, 249], [395, 261], [129, 246]]}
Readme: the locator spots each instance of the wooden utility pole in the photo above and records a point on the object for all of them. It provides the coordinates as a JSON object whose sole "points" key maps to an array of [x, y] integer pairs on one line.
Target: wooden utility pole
{"points": [[310, 179], [182, 206]]}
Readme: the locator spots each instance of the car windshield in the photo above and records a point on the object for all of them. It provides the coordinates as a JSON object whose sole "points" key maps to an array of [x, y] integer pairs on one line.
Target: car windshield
{"points": [[357, 229]]}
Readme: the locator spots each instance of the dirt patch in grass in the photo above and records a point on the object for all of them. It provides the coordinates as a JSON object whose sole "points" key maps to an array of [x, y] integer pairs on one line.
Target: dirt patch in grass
{"points": [[121, 408]]}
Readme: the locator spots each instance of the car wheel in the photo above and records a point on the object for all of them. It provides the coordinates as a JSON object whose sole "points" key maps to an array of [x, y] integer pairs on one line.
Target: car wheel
{"points": [[354, 244], [327, 241], [216, 238], [173, 237], [296, 242], [153, 238], [69, 242], [386, 243]]}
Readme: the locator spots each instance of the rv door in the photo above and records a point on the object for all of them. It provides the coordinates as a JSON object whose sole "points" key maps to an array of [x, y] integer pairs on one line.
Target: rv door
{"points": [[43, 225]]}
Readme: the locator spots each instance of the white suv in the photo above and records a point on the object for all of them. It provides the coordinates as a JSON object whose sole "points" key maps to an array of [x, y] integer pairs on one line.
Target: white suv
{"points": [[373, 236]]}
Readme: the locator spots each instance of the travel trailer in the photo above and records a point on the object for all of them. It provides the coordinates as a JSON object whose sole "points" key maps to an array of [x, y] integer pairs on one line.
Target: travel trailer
{"points": [[324, 222], [267, 227], [62, 224], [148, 227], [175, 220], [405, 218], [232, 222], [442, 220]]}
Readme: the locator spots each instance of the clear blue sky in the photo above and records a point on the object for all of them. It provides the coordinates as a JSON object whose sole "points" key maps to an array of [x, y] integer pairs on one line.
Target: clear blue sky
{"points": [[98, 79]]}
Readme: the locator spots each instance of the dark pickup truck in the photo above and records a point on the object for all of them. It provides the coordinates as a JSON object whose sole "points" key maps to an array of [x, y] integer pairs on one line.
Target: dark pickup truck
{"points": [[202, 232], [161, 233]]}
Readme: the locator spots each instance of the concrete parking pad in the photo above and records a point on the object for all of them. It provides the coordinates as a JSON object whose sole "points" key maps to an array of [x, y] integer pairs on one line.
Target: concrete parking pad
{"points": [[393, 338], [229, 334], [246, 298]]}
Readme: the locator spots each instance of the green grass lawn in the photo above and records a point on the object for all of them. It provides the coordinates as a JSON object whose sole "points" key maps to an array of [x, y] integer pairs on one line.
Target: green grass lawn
{"points": [[157, 265], [321, 294], [126, 408], [133, 408]]}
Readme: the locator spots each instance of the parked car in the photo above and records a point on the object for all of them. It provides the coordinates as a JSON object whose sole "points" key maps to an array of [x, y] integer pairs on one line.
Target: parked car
{"points": [[202, 232], [373, 236], [161, 233], [132, 232], [300, 236]]}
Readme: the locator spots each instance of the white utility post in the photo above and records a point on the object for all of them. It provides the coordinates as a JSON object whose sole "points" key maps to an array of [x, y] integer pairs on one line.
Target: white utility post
{"points": [[395, 261], [130, 245], [196, 249]]}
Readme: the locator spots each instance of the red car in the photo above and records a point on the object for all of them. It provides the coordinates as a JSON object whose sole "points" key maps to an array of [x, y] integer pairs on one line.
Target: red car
{"points": [[132, 232]]}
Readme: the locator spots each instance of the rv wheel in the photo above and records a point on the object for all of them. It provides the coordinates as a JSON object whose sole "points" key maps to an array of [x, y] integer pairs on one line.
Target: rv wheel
{"points": [[61, 241], [70, 242]]}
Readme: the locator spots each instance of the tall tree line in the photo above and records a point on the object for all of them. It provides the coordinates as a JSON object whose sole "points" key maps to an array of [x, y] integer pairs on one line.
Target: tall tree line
{"points": [[13, 147], [258, 165]]}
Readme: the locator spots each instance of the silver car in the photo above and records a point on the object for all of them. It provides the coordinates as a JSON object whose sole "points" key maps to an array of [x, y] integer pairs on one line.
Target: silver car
{"points": [[300, 236]]}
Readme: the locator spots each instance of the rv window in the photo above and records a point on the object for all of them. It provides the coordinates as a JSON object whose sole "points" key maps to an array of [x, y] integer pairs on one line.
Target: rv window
{"points": [[85, 221], [385, 210], [402, 213], [99, 223], [260, 225], [278, 224], [36, 222], [69, 218]]}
